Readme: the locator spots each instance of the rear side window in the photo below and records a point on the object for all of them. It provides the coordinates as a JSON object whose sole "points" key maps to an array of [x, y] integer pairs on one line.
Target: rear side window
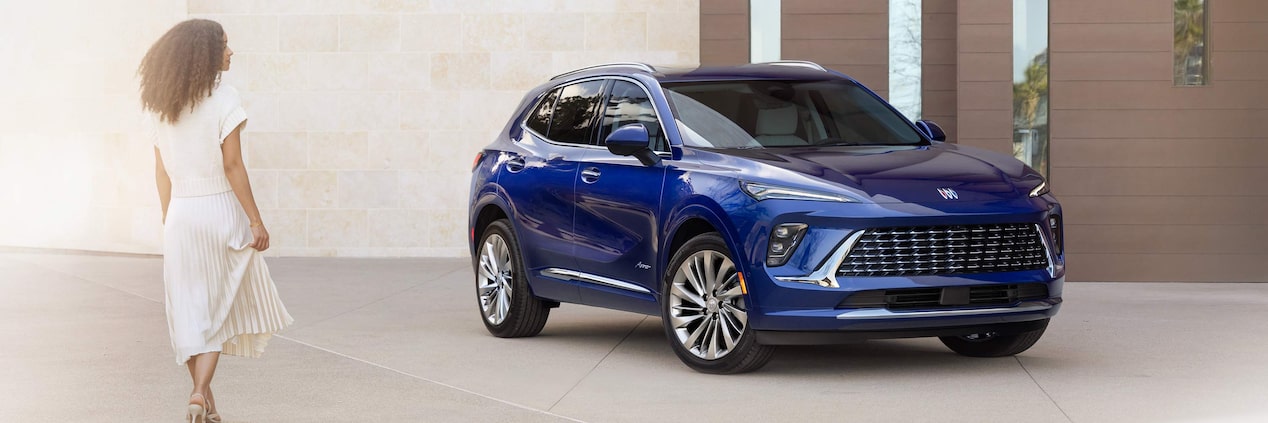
{"points": [[629, 103], [539, 120], [573, 119]]}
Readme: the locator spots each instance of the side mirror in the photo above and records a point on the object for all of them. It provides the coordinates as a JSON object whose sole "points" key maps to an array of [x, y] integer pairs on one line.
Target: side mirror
{"points": [[632, 140], [932, 130]]}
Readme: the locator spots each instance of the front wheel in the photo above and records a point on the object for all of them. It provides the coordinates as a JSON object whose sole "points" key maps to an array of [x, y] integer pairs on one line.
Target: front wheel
{"points": [[508, 309], [703, 310], [993, 344]]}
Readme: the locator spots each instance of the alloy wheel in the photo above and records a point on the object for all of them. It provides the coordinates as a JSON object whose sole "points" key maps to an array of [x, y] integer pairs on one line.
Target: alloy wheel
{"points": [[706, 305], [496, 278]]}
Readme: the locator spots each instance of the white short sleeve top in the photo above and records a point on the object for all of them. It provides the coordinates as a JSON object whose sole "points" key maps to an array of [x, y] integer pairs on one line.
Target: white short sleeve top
{"points": [[190, 148]]}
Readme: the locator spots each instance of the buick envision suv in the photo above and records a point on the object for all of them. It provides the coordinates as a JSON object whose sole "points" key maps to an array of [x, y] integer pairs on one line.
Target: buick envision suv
{"points": [[755, 206]]}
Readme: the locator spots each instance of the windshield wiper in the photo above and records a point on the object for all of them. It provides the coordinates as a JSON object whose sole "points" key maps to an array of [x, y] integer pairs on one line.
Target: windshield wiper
{"points": [[836, 141]]}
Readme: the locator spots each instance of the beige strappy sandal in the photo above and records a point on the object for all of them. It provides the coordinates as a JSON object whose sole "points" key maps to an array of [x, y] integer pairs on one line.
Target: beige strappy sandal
{"points": [[197, 413]]}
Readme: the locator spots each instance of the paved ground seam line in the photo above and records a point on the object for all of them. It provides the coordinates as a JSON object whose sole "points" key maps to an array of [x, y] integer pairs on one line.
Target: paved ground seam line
{"points": [[1045, 391], [597, 363]]}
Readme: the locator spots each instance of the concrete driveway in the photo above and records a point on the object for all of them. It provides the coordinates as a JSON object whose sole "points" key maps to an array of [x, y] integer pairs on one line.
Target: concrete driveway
{"points": [[399, 340]]}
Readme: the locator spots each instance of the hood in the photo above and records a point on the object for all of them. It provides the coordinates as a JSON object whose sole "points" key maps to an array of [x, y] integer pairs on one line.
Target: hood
{"points": [[906, 174]]}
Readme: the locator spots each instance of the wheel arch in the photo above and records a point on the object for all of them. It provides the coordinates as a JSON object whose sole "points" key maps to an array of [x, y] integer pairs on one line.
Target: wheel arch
{"points": [[691, 220], [486, 211]]}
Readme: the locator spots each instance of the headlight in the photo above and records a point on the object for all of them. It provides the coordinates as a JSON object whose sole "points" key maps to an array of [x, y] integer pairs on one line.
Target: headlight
{"points": [[763, 191], [783, 240], [1040, 190]]}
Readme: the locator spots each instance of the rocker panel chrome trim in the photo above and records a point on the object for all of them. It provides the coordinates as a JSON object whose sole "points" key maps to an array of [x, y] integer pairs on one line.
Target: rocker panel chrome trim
{"points": [[573, 275]]}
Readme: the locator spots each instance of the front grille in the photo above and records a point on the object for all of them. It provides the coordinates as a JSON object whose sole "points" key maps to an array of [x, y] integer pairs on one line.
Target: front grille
{"points": [[946, 250], [966, 296]]}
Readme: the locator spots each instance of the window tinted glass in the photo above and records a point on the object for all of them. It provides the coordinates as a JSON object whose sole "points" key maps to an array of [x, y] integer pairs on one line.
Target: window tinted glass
{"points": [[627, 104], [750, 114], [1190, 50], [573, 120], [539, 119]]}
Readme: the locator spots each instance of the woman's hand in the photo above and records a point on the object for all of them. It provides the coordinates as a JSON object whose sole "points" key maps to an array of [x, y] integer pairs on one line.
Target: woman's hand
{"points": [[259, 237]]}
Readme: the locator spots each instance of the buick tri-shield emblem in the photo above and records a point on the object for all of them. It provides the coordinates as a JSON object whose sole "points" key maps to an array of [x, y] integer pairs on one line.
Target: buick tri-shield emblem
{"points": [[948, 194]]}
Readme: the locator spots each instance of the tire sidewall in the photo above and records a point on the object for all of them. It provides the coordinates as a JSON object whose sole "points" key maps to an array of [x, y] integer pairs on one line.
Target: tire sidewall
{"points": [[727, 364], [519, 282]]}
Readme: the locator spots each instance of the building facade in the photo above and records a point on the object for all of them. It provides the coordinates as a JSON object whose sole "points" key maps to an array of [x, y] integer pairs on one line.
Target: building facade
{"points": [[1150, 130], [365, 114]]}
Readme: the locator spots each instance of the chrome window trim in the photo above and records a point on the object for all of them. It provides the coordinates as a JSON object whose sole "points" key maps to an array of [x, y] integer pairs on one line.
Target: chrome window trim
{"points": [[573, 275], [886, 314], [826, 274], [659, 113]]}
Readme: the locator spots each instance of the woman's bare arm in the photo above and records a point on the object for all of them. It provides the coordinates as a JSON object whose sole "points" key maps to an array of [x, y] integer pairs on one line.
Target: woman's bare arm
{"points": [[163, 182], [236, 171]]}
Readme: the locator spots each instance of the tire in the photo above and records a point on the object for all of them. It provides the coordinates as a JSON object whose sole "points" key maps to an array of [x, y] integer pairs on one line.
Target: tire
{"points": [[704, 312], [991, 344], [507, 307]]}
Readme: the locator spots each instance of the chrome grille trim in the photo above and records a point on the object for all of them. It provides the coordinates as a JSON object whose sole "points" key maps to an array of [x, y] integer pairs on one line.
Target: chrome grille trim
{"points": [[947, 250]]}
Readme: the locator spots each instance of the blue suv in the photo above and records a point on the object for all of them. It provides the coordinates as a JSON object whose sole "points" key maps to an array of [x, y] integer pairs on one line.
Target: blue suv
{"points": [[754, 206]]}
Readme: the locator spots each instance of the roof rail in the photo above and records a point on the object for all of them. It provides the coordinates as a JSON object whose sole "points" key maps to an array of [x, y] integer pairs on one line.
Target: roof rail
{"points": [[799, 63], [640, 65]]}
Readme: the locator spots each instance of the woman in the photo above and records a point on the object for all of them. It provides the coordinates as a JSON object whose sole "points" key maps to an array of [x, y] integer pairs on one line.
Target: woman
{"points": [[220, 298]]}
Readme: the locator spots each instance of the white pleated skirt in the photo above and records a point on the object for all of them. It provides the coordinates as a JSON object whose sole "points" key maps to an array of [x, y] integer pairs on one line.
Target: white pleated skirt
{"points": [[220, 297]]}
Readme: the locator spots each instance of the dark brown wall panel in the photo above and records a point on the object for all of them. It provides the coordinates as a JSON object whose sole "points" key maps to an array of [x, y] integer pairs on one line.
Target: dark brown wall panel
{"points": [[1159, 183], [724, 32], [1161, 211], [1167, 239], [1111, 66], [1112, 37], [852, 7], [1152, 267], [1245, 182], [850, 36], [1158, 95], [1161, 152], [1148, 123], [1110, 11], [984, 74], [1241, 36]]}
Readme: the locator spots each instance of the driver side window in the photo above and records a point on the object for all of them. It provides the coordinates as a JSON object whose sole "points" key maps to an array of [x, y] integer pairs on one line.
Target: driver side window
{"points": [[629, 103]]}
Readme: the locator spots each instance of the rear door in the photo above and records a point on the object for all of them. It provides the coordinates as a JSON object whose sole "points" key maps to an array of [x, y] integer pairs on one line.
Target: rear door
{"points": [[540, 176]]}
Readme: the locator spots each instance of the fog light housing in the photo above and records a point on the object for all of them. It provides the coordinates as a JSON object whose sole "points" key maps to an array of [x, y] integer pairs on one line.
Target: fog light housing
{"points": [[783, 241], [1054, 225]]}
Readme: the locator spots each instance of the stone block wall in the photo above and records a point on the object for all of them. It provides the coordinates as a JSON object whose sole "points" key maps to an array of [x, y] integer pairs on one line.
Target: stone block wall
{"points": [[365, 115]]}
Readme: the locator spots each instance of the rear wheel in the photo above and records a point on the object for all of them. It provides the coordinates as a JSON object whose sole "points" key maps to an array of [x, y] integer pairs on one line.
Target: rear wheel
{"points": [[993, 344], [704, 313], [507, 307]]}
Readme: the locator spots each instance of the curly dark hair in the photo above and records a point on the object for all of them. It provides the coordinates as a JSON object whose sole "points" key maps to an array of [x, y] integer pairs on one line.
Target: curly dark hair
{"points": [[182, 68]]}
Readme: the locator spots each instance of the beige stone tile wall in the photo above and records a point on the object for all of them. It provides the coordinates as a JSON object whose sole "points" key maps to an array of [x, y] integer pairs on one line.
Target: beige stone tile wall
{"points": [[364, 115], [75, 172]]}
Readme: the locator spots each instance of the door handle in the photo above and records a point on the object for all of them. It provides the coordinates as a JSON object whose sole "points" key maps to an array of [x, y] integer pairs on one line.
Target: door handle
{"points": [[590, 175], [515, 164]]}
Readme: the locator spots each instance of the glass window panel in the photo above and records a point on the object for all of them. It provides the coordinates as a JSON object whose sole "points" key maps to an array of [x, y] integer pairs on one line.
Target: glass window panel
{"points": [[1190, 51], [573, 120], [764, 30], [539, 120], [629, 103], [905, 56], [1030, 83]]}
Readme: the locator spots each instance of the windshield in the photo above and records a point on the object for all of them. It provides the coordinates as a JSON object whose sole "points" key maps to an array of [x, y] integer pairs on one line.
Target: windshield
{"points": [[770, 114]]}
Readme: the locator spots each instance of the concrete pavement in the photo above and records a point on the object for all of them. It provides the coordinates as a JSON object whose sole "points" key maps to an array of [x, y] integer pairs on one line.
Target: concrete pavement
{"points": [[399, 340]]}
